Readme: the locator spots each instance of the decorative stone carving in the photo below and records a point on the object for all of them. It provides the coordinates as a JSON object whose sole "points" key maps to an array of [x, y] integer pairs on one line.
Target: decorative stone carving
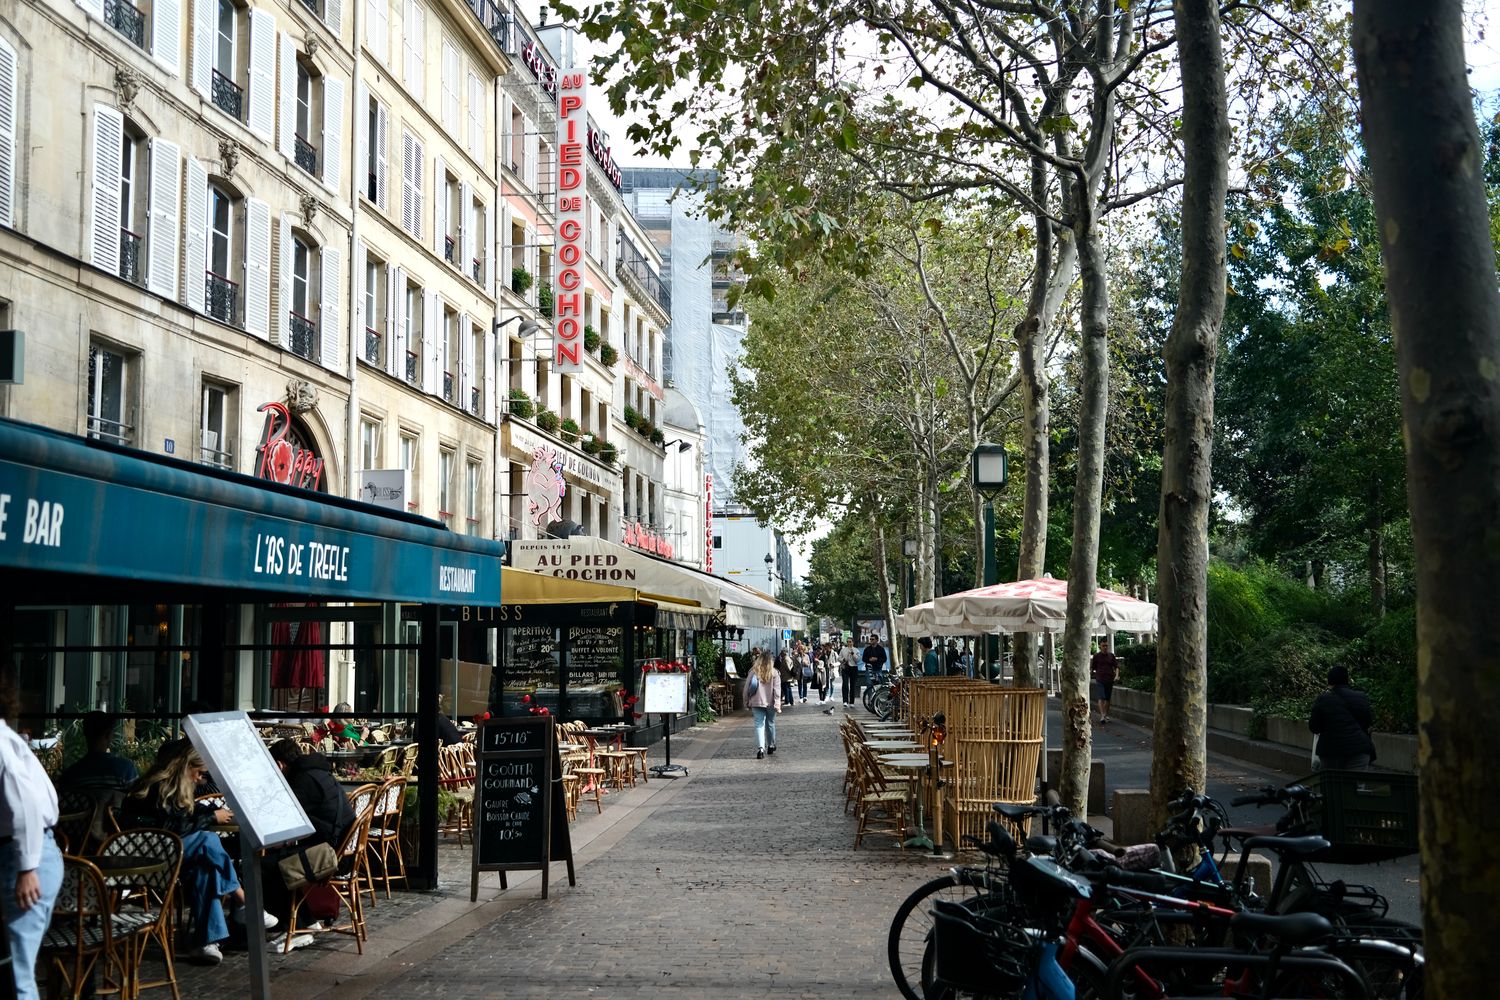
{"points": [[127, 85], [310, 45], [301, 395], [309, 206], [229, 155]]}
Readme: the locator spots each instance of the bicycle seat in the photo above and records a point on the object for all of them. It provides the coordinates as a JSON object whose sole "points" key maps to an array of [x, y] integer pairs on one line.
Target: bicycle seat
{"points": [[1041, 844], [1291, 928], [1295, 847], [1016, 814]]}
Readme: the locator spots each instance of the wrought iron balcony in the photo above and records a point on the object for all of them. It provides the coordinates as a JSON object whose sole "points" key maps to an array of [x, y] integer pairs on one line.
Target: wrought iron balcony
{"points": [[450, 250], [314, 5], [305, 155], [130, 256], [413, 367], [222, 298], [474, 400], [450, 388], [228, 97], [372, 187], [303, 334], [476, 268], [373, 346], [127, 20]]}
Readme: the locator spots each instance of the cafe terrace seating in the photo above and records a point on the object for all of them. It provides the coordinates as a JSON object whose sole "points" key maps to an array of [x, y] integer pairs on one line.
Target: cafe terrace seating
{"points": [[83, 941], [353, 853], [384, 840], [143, 901]]}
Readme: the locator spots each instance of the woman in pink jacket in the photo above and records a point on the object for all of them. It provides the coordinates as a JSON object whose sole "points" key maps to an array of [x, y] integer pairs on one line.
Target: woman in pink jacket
{"points": [[763, 696]]}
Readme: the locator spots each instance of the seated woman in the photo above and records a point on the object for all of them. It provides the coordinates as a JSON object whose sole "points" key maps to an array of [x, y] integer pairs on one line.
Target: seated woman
{"points": [[165, 799], [346, 731], [328, 810]]}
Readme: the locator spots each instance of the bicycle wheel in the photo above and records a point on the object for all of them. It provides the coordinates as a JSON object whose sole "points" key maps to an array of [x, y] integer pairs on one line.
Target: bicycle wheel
{"points": [[911, 929], [883, 704], [868, 696]]}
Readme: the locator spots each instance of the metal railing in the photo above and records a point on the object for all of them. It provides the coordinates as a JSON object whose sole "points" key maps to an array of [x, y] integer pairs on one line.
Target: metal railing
{"points": [[303, 334], [450, 249], [372, 187], [218, 459], [474, 394], [130, 256], [449, 383], [104, 429], [373, 345], [227, 96], [413, 367], [476, 268], [221, 297], [305, 154], [446, 516], [127, 20], [631, 263], [313, 5]]}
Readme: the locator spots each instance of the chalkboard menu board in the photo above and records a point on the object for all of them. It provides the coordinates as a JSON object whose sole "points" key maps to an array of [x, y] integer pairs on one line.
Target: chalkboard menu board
{"points": [[595, 655], [520, 819]]}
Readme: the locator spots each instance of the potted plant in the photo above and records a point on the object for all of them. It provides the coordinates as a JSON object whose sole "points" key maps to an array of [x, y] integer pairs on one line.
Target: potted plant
{"points": [[520, 280], [520, 404], [590, 338], [607, 453], [544, 301], [410, 811], [632, 416], [608, 354], [569, 430], [657, 437], [592, 445], [547, 421]]}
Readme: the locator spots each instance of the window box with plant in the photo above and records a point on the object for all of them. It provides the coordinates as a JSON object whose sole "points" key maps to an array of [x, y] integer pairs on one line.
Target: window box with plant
{"points": [[592, 446], [520, 404], [608, 355], [569, 430], [544, 301], [547, 421], [632, 416], [608, 454], [657, 437], [590, 338], [520, 280]]}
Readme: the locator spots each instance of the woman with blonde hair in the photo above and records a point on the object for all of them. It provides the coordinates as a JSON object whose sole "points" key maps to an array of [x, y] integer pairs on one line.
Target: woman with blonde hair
{"points": [[166, 799], [763, 696]]}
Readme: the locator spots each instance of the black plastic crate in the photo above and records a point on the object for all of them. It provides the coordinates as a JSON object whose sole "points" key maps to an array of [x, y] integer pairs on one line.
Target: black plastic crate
{"points": [[1365, 815]]}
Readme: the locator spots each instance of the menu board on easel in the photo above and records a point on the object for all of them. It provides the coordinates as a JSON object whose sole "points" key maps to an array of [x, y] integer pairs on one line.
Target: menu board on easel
{"points": [[520, 818]]}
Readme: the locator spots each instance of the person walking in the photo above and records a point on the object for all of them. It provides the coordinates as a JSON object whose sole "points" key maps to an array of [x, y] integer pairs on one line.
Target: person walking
{"points": [[931, 665], [31, 866], [784, 671], [802, 668], [874, 658], [1105, 668], [764, 700], [1341, 719], [849, 671]]}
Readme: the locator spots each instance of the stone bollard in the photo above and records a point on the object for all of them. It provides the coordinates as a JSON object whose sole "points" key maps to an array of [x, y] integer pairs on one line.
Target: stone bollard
{"points": [[1259, 867], [1132, 816], [1096, 780]]}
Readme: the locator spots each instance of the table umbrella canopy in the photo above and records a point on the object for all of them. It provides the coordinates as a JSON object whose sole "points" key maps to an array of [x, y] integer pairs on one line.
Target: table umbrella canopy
{"points": [[918, 620], [1033, 606]]}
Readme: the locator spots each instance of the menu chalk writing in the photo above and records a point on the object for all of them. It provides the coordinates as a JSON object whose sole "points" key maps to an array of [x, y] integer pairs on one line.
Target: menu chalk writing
{"points": [[520, 821], [594, 655]]}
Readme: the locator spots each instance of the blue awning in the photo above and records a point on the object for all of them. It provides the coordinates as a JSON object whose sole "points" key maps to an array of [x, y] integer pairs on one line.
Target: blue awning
{"points": [[74, 506]]}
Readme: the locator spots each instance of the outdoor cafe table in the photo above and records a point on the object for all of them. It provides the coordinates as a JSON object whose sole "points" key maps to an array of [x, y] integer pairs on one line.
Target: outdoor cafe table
{"points": [[920, 762], [891, 746], [127, 866]]}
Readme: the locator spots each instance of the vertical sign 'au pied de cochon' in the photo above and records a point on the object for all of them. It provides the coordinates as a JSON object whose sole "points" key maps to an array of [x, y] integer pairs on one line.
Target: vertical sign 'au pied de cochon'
{"points": [[572, 133]]}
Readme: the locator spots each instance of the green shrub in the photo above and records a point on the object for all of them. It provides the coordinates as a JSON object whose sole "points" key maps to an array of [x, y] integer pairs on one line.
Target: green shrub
{"points": [[608, 354], [520, 404], [655, 434], [590, 339], [1282, 673], [608, 453], [632, 416], [592, 445], [1383, 663], [520, 280], [1138, 666], [544, 301], [547, 421], [569, 430]]}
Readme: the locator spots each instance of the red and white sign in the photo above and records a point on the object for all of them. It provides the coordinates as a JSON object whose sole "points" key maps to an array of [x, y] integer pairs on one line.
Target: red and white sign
{"points": [[708, 523], [283, 458], [572, 136], [643, 538]]}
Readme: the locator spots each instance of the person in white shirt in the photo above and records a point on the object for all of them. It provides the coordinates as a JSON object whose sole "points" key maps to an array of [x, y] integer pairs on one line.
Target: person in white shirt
{"points": [[31, 866]]}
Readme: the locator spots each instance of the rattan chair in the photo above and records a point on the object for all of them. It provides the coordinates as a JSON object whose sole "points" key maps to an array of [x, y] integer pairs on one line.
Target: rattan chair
{"points": [[82, 938], [384, 840], [879, 796], [148, 909], [353, 855]]}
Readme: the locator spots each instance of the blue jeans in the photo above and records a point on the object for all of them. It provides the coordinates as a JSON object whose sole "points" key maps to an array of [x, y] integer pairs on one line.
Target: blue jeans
{"points": [[208, 872], [765, 726], [26, 929]]}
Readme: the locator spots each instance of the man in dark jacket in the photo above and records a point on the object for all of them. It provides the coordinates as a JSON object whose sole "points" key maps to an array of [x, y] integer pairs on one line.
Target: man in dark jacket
{"points": [[1341, 719], [310, 776]]}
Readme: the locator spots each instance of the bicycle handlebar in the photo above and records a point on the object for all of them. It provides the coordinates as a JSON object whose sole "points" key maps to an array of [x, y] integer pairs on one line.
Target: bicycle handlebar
{"points": [[1270, 795]]}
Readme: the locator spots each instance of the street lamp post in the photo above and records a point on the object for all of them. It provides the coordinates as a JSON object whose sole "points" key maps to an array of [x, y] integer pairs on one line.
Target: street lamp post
{"points": [[909, 550], [770, 580], [989, 472]]}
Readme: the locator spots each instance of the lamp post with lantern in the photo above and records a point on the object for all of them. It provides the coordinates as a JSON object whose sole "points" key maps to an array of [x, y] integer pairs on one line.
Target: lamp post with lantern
{"points": [[989, 472]]}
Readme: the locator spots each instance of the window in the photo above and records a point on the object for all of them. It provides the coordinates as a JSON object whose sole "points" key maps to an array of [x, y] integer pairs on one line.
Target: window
{"points": [[450, 101], [228, 96], [411, 446], [446, 458], [375, 292], [223, 294], [413, 42], [451, 347], [304, 334], [477, 240], [451, 218], [476, 116], [478, 365], [305, 153], [369, 443], [109, 409], [378, 35], [413, 334], [377, 125], [411, 184], [718, 541], [471, 491], [216, 437], [127, 19], [133, 205]]}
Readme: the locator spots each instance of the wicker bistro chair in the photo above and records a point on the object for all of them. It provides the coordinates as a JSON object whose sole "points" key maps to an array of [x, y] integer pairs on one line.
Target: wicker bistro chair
{"points": [[83, 937], [384, 840], [409, 759], [879, 794], [457, 774], [387, 760], [353, 863], [148, 909]]}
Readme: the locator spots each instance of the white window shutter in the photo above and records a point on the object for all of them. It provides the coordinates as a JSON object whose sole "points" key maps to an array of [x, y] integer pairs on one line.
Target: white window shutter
{"points": [[262, 92], [166, 34], [382, 154], [8, 92], [476, 116], [104, 237], [465, 363], [203, 45], [163, 235], [486, 250], [432, 344], [333, 16], [195, 229], [416, 182], [94, 8], [413, 41], [407, 197], [439, 205], [449, 83], [466, 253], [333, 131], [533, 153], [502, 238], [288, 110], [362, 139], [395, 320], [488, 364], [281, 330], [357, 279], [378, 39], [257, 267], [331, 320]]}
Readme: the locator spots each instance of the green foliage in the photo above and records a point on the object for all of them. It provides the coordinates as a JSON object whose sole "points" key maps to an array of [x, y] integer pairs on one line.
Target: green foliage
{"points": [[569, 430], [520, 404], [710, 655], [547, 421], [590, 338], [608, 355], [841, 576], [592, 445], [1138, 665], [632, 417], [607, 453], [656, 435], [544, 301], [520, 280]]}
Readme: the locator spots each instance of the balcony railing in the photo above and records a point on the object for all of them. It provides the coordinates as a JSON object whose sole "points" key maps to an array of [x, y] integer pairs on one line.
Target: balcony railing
{"points": [[222, 299], [124, 18], [104, 429], [476, 268], [449, 387], [446, 516], [373, 346], [218, 459], [303, 334], [413, 367], [228, 97], [314, 5], [304, 153], [372, 187], [130, 256], [474, 400], [450, 250], [631, 263]]}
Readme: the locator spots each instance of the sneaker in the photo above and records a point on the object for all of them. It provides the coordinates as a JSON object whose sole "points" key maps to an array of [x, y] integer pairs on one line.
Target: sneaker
{"points": [[267, 920], [770, 749], [209, 954], [278, 943], [759, 754], [804, 701]]}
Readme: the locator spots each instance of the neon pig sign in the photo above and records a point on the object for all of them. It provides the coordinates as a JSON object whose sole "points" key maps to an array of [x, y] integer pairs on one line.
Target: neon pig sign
{"points": [[572, 132]]}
